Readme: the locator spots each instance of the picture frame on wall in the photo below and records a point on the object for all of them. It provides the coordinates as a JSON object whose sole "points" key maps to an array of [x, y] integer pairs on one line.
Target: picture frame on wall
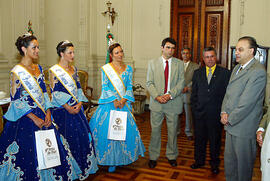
{"points": [[261, 55]]}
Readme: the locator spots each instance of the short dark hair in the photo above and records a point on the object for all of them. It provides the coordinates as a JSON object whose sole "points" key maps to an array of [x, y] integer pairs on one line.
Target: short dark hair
{"points": [[62, 46], [252, 43], [170, 40], [24, 41], [207, 49], [185, 48]]}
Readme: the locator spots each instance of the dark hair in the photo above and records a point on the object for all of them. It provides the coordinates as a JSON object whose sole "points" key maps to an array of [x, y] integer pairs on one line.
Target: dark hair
{"points": [[170, 40], [113, 46], [185, 48], [24, 41], [207, 49], [252, 43], [61, 47]]}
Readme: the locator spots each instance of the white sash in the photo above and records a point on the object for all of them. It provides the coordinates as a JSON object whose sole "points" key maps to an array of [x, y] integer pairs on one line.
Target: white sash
{"points": [[115, 79], [67, 81], [31, 85]]}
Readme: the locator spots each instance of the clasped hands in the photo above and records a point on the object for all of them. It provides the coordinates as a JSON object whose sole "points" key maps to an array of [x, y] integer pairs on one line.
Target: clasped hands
{"points": [[224, 118], [163, 99], [260, 138], [73, 109], [119, 104], [47, 122], [185, 90]]}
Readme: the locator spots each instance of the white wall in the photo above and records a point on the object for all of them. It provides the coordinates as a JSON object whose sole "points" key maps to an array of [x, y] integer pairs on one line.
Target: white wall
{"points": [[251, 18]]}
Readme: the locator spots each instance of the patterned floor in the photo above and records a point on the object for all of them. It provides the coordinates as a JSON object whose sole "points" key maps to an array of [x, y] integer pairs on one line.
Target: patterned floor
{"points": [[139, 171]]}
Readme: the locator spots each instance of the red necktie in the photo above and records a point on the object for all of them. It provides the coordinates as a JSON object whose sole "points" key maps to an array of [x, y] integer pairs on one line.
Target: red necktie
{"points": [[166, 75]]}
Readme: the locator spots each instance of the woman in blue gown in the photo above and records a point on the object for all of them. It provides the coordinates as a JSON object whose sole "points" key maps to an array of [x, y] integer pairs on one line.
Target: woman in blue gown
{"points": [[115, 152], [67, 98], [18, 157]]}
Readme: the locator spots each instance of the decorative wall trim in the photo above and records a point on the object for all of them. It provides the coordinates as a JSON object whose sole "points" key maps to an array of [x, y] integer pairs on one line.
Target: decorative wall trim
{"points": [[83, 44], [186, 3], [214, 3]]}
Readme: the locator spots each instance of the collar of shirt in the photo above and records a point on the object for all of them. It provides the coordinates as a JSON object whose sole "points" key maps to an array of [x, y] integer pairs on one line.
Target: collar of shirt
{"points": [[164, 62], [212, 69], [186, 65], [243, 66], [246, 64]]}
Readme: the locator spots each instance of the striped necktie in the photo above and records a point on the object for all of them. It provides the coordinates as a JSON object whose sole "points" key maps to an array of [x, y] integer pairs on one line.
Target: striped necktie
{"points": [[209, 75]]}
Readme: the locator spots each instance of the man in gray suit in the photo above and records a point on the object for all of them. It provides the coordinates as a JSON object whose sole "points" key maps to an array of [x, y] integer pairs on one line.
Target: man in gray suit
{"points": [[165, 82], [242, 110], [189, 68]]}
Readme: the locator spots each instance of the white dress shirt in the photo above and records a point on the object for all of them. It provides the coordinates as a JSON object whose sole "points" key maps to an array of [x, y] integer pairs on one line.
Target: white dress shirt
{"points": [[243, 66]]}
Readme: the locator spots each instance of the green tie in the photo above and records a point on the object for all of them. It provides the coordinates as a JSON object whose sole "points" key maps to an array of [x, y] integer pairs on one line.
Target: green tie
{"points": [[209, 76]]}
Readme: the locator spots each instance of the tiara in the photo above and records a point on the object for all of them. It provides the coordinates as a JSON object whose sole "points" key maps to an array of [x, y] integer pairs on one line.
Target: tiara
{"points": [[65, 42], [111, 42], [26, 35]]}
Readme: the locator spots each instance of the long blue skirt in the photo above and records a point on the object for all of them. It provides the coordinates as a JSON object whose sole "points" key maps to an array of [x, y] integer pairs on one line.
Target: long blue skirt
{"points": [[114, 152], [18, 158], [75, 129]]}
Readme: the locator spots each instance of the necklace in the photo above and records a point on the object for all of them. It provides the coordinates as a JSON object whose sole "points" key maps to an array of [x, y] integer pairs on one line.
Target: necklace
{"points": [[29, 67], [119, 67]]}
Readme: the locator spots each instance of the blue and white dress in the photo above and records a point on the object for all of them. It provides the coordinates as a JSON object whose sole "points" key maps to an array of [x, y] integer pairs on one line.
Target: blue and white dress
{"points": [[18, 158], [114, 152], [74, 127]]}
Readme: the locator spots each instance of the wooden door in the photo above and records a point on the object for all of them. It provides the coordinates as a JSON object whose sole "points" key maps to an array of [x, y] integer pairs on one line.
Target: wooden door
{"points": [[200, 23]]}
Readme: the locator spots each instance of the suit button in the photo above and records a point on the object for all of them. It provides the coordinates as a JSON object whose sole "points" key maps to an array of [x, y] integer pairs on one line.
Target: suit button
{"points": [[208, 90]]}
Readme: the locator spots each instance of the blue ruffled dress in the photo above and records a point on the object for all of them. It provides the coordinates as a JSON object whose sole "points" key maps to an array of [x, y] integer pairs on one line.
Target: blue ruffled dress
{"points": [[114, 152], [74, 127], [18, 158]]}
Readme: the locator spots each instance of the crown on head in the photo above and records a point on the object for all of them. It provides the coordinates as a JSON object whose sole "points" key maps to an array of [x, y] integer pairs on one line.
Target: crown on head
{"points": [[65, 42]]}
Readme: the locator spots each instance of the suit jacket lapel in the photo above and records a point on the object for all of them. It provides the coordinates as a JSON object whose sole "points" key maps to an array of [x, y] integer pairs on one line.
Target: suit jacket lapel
{"points": [[204, 78], [242, 73], [173, 69], [160, 68], [214, 77], [189, 67]]}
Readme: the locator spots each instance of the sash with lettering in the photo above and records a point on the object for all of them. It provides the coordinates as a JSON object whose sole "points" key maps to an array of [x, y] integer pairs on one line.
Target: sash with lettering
{"points": [[42, 137], [31, 85], [67, 81], [118, 119]]}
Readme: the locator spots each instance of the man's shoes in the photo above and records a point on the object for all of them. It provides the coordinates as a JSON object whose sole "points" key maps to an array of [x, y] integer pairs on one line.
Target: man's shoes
{"points": [[215, 170], [196, 165], [152, 163], [190, 138], [173, 163]]}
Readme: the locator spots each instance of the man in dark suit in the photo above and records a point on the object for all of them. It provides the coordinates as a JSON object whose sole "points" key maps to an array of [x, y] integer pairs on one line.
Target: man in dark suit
{"points": [[242, 110], [208, 89]]}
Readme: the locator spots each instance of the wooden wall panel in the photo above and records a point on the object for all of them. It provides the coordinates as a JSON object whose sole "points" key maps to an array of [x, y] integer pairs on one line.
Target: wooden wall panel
{"points": [[209, 27], [213, 35], [186, 33]]}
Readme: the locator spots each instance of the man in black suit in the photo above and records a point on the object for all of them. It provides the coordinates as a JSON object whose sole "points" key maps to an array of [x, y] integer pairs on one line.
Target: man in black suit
{"points": [[209, 85]]}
